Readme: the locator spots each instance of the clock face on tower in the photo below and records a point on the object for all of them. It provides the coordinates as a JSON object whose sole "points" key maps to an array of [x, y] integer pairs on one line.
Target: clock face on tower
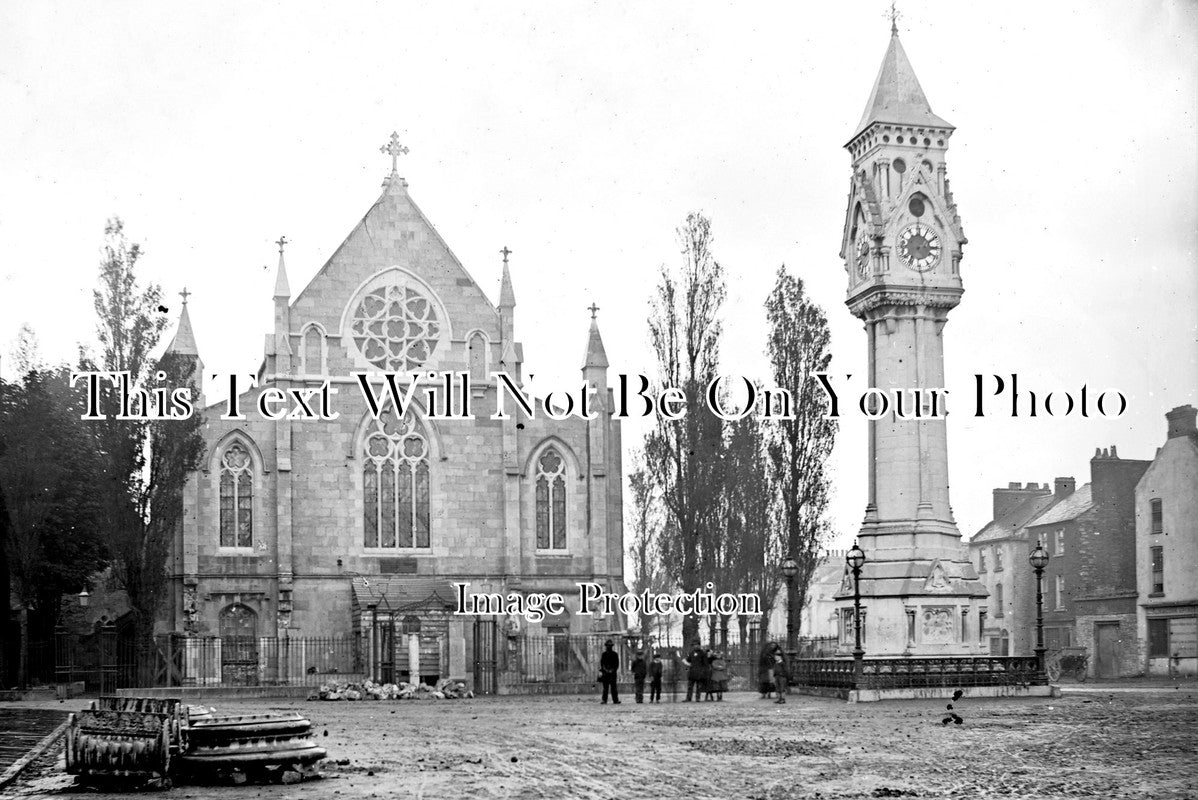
{"points": [[862, 254], [919, 247]]}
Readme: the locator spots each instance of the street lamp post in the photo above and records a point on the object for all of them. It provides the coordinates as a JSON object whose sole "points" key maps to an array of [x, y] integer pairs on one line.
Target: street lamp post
{"points": [[790, 568], [1039, 560], [855, 560]]}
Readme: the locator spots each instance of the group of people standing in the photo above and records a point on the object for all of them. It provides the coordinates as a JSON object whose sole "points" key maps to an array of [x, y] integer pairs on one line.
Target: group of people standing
{"points": [[706, 669]]}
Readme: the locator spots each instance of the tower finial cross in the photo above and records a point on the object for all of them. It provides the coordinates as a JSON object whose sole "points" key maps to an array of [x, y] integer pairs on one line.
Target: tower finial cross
{"points": [[184, 294], [894, 18], [281, 242], [506, 252], [594, 309], [394, 149]]}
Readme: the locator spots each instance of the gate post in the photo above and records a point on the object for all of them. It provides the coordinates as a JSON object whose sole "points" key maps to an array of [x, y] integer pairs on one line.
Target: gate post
{"points": [[63, 662], [108, 665]]}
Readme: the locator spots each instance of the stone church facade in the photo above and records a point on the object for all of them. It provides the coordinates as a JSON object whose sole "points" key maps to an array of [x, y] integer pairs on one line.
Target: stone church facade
{"points": [[313, 528]]}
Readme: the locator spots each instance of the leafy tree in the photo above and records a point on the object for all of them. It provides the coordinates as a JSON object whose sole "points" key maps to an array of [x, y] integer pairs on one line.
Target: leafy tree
{"points": [[647, 525], [799, 345], [683, 458], [147, 461], [47, 466], [750, 520]]}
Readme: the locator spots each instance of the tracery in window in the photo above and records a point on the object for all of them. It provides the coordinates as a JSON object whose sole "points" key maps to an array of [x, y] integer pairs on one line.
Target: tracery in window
{"points": [[551, 501], [236, 497], [395, 326], [395, 483]]}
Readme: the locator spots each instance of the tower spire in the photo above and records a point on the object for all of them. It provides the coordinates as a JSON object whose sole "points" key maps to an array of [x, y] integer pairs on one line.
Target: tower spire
{"points": [[897, 98], [894, 17], [282, 287], [184, 340], [507, 297]]}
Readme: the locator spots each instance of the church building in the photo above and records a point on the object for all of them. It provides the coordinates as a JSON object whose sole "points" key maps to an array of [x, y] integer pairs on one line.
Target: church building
{"points": [[305, 528]]}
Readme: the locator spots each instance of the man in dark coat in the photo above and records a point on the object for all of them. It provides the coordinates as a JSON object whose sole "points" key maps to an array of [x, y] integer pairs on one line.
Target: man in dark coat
{"points": [[609, 666], [638, 676], [655, 670], [696, 674]]}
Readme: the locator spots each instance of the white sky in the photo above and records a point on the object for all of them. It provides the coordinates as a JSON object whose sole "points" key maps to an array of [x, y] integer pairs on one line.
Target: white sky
{"points": [[580, 135]]}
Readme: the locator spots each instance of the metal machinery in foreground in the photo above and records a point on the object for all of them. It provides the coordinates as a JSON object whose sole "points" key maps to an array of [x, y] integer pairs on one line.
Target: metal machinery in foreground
{"points": [[133, 740]]}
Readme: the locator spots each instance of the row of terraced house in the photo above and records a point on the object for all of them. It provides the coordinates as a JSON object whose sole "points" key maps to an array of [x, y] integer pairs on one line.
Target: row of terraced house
{"points": [[1122, 580]]}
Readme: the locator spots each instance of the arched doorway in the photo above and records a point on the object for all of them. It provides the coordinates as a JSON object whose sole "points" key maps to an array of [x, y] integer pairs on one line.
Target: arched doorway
{"points": [[239, 645]]}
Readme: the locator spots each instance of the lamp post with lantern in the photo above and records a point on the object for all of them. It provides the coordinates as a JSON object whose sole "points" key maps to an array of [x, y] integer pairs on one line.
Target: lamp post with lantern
{"points": [[1039, 560], [790, 568], [856, 559]]}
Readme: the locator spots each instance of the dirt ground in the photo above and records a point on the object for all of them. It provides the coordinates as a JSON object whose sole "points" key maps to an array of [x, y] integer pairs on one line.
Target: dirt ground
{"points": [[1093, 744]]}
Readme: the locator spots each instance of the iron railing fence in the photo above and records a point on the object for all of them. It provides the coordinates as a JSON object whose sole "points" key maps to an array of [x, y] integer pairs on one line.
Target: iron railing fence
{"points": [[918, 673]]}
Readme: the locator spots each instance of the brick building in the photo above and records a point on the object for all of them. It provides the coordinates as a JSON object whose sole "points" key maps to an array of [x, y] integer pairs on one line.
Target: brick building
{"points": [[1167, 550], [310, 527], [1090, 581]]}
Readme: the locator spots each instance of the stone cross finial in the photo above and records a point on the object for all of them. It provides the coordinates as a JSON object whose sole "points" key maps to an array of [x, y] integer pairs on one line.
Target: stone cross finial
{"points": [[594, 309], [184, 294], [506, 252], [894, 18], [281, 242], [394, 149]]}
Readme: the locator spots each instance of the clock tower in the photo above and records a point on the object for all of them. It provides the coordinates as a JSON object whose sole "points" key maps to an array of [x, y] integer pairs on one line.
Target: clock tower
{"points": [[902, 246]]}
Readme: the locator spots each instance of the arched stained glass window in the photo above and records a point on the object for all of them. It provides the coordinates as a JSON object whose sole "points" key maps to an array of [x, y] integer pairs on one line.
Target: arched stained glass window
{"points": [[236, 497], [395, 483], [551, 501]]}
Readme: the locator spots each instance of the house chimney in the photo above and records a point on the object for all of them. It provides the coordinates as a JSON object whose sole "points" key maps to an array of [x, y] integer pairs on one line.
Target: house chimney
{"points": [[1015, 493], [1181, 421], [1063, 487]]}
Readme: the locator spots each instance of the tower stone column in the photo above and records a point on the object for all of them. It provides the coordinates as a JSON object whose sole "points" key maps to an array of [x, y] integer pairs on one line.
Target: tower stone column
{"points": [[902, 247]]}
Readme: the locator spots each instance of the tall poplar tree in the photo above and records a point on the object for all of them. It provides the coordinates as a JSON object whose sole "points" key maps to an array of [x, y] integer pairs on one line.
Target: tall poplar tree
{"points": [[799, 345], [684, 457]]}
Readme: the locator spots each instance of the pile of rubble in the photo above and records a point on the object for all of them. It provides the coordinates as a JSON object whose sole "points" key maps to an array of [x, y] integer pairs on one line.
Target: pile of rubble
{"points": [[446, 689]]}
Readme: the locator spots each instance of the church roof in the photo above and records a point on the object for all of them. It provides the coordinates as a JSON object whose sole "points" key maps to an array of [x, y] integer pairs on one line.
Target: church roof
{"points": [[184, 341], [897, 97], [596, 356]]}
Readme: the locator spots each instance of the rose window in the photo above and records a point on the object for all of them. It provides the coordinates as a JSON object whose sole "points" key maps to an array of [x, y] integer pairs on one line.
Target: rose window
{"points": [[396, 328]]}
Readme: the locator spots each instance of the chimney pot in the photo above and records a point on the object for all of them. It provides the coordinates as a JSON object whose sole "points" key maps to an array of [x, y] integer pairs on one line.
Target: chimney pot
{"points": [[1182, 421]]}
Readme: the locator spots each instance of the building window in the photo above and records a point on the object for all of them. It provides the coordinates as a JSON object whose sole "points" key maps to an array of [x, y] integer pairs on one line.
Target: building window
{"points": [[236, 497], [982, 560], [1158, 516], [1058, 593], [477, 348], [395, 483], [1158, 570], [998, 600], [395, 326], [1058, 542], [997, 558], [313, 352], [551, 501]]}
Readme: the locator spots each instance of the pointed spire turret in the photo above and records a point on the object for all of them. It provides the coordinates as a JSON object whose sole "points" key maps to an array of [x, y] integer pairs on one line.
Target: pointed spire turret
{"points": [[184, 341], [507, 297], [282, 287], [897, 98], [596, 356]]}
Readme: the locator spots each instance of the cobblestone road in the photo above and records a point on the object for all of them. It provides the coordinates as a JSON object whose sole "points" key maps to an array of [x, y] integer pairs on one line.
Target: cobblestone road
{"points": [[1081, 745]]}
